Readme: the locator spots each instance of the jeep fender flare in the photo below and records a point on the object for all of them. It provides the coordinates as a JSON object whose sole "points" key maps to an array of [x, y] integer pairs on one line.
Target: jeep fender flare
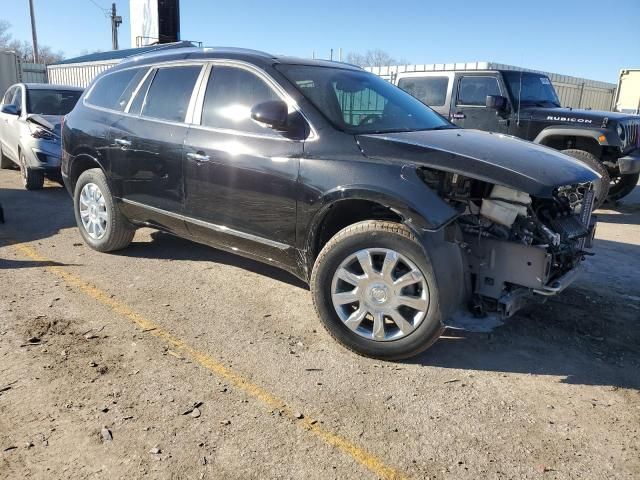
{"points": [[610, 139]]}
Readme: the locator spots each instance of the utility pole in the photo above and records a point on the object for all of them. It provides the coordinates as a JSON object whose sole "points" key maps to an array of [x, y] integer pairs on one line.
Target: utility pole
{"points": [[34, 35], [116, 21]]}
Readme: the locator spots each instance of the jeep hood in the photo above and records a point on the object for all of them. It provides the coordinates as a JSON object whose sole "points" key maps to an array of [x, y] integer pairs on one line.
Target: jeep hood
{"points": [[491, 157], [574, 116]]}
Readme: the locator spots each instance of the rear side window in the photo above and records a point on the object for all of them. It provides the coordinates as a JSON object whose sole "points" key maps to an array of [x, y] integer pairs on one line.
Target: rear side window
{"points": [[474, 90], [170, 92], [112, 89], [231, 93], [431, 91]]}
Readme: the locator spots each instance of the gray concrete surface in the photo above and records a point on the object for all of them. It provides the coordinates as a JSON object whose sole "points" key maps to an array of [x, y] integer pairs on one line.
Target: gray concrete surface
{"points": [[553, 393]]}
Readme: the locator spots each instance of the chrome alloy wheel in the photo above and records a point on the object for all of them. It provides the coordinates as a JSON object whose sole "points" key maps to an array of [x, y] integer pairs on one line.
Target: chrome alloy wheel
{"points": [[380, 294], [93, 211]]}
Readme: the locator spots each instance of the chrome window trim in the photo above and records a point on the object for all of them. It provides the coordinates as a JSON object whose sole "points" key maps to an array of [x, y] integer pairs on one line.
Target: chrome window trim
{"points": [[211, 226], [137, 89], [270, 82], [197, 113], [462, 77]]}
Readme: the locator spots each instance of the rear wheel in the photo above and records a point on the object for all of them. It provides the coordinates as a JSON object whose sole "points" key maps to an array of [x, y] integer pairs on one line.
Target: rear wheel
{"points": [[99, 220], [31, 179], [600, 187], [622, 185], [375, 291]]}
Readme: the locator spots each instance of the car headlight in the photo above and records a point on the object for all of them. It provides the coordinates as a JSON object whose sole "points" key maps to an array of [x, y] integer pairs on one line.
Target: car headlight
{"points": [[41, 133], [620, 130]]}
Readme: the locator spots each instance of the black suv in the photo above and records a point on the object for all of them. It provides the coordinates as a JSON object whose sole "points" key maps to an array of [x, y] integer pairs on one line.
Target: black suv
{"points": [[525, 104], [393, 215]]}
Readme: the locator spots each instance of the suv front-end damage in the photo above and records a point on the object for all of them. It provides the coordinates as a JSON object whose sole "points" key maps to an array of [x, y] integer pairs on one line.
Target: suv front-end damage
{"points": [[516, 245]]}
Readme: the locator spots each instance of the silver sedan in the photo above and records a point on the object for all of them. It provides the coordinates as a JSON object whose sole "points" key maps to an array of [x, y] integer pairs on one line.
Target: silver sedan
{"points": [[30, 119]]}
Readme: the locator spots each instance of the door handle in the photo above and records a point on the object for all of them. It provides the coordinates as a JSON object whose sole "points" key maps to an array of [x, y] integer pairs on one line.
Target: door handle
{"points": [[458, 115], [198, 157], [123, 142]]}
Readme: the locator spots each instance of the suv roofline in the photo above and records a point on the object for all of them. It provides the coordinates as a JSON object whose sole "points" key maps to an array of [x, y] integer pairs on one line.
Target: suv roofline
{"points": [[206, 53]]}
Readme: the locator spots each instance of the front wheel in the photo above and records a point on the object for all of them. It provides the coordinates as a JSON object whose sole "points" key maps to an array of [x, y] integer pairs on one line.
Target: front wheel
{"points": [[622, 185], [99, 220], [375, 291], [600, 187], [31, 179]]}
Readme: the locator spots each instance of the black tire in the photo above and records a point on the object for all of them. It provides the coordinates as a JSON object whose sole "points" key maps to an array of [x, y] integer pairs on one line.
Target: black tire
{"points": [[119, 232], [622, 185], [590, 160], [31, 179], [375, 234]]}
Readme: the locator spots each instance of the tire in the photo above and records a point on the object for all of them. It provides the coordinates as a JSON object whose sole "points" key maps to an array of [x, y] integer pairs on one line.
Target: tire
{"points": [[376, 236], [601, 187], [622, 185], [31, 179], [105, 233]]}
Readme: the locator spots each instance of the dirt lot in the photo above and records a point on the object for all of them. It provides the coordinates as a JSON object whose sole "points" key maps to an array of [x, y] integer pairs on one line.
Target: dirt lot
{"points": [[103, 357]]}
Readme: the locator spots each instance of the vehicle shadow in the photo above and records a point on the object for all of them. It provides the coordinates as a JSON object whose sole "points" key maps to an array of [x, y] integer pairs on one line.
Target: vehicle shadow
{"points": [[34, 215], [582, 335], [166, 246]]}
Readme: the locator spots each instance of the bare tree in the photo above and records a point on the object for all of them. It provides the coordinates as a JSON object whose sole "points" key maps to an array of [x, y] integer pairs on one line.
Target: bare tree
{"points": [[24, 49], [373, 58]]}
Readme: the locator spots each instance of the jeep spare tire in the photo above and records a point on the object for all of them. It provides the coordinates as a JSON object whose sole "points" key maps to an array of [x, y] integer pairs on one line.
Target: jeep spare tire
{"points": [[601, 186]]}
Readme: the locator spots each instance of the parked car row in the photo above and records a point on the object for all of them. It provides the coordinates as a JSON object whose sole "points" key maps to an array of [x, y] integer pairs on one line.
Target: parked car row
{"points": [[395, 216]]}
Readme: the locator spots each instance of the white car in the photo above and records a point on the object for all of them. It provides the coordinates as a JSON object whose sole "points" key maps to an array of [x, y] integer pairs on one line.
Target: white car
{"points": [[30, 118]]}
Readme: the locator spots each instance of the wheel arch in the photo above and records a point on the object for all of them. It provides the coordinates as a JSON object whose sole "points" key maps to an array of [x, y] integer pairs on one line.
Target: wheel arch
{"points": [[84, 160], [591, 140], [345, 206]]}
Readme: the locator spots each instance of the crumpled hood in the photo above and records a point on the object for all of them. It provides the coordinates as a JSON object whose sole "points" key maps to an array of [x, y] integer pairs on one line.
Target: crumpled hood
{"points": [[574, 116], [52, 122], [491, 157]]}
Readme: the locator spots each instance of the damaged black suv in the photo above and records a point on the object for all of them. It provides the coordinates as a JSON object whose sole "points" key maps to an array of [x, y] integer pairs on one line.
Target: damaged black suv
{"points": [[394, 216]]}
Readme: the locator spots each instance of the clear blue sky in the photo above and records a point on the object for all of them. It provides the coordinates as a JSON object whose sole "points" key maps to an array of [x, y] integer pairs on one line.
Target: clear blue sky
{"points": [[585, 38]]}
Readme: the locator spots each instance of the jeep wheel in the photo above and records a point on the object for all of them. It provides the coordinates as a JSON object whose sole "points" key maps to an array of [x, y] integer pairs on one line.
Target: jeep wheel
{"points": [[622, 185], [375, 291], [31, 179], [99, 220], [600, 187]]}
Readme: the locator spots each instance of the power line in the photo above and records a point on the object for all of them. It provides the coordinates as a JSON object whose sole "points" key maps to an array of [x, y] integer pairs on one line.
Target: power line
{"points": [[105, 11]]}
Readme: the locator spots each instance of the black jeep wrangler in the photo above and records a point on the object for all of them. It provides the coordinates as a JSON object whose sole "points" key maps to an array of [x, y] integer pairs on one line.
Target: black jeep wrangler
{"points": [[394, 216], [525, 105]]}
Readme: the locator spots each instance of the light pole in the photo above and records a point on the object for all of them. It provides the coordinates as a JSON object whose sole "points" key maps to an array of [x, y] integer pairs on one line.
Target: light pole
{"points": [[34, 35]]}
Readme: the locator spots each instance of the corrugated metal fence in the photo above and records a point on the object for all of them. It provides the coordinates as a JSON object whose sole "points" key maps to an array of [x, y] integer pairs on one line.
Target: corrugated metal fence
{"points": [[77, 74], [573, 91], [34, 73]]}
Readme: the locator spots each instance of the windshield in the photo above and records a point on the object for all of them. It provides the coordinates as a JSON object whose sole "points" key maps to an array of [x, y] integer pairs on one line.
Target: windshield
{"points": [[51, 102], [536, 89], [359, 102]]}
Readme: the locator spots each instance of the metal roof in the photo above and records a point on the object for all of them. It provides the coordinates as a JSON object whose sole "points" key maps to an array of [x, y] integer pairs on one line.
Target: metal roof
{"points": [[120, 54]]}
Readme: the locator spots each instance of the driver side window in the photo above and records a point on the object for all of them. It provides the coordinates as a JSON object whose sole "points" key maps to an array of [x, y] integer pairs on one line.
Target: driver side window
{"points": [[363, 105]]}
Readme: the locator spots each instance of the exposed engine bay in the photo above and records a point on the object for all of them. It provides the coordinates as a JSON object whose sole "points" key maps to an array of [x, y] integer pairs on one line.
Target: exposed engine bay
{"points": [[516, 244]]}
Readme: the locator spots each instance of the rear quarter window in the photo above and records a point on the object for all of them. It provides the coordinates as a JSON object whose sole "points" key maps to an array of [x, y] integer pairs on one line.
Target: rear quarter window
{"points": [[431, 91], [114, 89]]}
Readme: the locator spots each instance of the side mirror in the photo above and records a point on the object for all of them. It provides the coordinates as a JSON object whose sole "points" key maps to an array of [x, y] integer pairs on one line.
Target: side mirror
{"points": [[10, 109], [273, 113], [497, 102]]}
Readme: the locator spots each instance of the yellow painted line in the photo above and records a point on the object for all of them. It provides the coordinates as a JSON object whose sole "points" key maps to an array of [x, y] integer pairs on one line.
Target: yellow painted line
{"points": [[365, 458]]}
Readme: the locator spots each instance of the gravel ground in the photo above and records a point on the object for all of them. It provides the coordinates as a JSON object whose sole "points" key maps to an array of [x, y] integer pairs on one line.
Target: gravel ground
{"points": [[103, 357]]}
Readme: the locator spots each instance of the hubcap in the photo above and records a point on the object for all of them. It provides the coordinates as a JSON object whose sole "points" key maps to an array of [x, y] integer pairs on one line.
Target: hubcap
{"points": [[380, 294], [93, 211]]}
